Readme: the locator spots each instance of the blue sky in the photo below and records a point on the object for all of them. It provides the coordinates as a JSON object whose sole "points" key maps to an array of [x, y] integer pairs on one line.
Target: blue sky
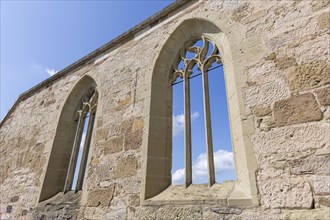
{"points": [[40, 38]]}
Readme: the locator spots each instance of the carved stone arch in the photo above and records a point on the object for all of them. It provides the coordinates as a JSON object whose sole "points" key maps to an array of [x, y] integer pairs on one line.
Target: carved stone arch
{"points": [[157, 144], [59, 159]]}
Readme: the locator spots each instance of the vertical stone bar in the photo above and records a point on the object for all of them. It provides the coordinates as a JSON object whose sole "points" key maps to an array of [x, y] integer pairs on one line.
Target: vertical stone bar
{"points": [[187, 132], [74, 153], [84, 157], [208, 128]]}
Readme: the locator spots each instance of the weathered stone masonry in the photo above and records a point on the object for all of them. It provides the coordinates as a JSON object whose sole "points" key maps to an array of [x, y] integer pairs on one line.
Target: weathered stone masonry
{"points": [[277, 70]]}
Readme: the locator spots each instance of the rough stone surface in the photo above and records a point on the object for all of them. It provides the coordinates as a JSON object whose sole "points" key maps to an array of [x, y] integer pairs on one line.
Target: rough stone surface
{"points": [[176, 213], [323, 95], [293, 139], [262, 111], [100, 197], [296, 109], [308, 76], [266, 94], [133, 140], [322, 214], [276, 65], [321, 185], [114, 145], [323, 21], [285, 62], [289, 193], [125, 167]]}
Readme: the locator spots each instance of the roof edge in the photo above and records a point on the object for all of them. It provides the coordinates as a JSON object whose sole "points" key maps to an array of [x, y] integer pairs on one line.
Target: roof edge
{"points": [[150, 21]]}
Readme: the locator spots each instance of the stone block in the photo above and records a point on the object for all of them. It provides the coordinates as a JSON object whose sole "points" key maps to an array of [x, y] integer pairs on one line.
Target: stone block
{"points": [[133, 140], [255, 16], [292, 138], [118, 214], [241, 12], [323, 95], [285, 62], [114, 145], [310, 165], [308, 76], [126, 126], [266, 72], [296, 109], [262, 111], [322, 201], [138, 124], [286, 193], [265, 94], [101, 134], [319, 214], [323, 21], [265, 123], [146, 213], [126, 167], [100, 197], [317, 5], [176, 213], [321, 184]]}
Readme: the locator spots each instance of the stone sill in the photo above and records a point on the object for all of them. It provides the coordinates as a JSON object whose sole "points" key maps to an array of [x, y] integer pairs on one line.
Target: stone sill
{"points": [[224, 194]]}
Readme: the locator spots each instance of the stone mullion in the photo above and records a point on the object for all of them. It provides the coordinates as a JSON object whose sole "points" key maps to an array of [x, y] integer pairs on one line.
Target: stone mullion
{"points": [[75, 151], [84, 157], [187, 132], [208, 128]]}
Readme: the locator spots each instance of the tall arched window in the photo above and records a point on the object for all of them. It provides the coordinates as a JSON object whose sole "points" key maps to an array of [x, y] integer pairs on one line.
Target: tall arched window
{"points": [[158, 139], [85, 119], [196, 58], [68, 158]]}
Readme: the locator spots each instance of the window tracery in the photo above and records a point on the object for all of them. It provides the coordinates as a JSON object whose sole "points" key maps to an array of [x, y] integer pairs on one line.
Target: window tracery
{"points": [[203, 57], [78, 161]]}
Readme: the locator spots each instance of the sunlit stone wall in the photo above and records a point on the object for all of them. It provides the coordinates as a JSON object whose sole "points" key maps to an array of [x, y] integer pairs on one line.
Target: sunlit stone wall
{"points": [[283, 49]]}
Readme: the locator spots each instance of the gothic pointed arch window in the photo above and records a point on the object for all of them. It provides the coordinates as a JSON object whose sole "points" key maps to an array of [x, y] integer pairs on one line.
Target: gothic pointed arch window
{"points": [[200, 54], [69, 155], [194, 48]]}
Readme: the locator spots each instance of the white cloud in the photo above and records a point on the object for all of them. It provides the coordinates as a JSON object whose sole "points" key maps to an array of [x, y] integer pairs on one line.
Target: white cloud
{"points": [[178, 123], [223, 161], [177, 176], [39, 69], [51, 71]]}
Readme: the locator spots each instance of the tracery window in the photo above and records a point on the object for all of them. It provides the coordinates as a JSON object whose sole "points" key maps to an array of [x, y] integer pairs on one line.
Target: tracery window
{"points": [[71, 145], [198, 54], [85, 119], [157, 165]]}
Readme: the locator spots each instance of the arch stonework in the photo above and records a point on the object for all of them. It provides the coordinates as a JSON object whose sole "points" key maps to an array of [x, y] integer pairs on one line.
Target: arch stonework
{"points": [[276, 65], [158, 136], [59, 158]]}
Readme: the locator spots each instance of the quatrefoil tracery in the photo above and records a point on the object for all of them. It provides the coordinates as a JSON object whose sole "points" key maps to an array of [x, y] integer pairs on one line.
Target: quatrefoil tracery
{"points": [[202, 58]]}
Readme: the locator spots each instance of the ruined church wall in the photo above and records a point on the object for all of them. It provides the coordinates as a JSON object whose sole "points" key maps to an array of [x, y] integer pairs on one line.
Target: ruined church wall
{"points": [[283, 49]]}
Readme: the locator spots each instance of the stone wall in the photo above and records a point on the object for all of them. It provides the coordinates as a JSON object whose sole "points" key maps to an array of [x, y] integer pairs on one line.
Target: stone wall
{"points": [[283, 48]]}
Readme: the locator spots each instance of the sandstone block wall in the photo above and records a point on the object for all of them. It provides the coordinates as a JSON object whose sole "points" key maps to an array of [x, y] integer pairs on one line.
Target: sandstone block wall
{"points": [[283, 48]]}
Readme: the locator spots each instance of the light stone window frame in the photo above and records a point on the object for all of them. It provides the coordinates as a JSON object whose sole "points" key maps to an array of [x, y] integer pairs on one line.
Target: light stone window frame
{"points": [[157, 140], [55, 177], [88, 107]]}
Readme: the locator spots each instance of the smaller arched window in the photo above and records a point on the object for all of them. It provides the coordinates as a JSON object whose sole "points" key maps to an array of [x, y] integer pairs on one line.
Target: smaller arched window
{"points": [[68, 158], [85, 119]]}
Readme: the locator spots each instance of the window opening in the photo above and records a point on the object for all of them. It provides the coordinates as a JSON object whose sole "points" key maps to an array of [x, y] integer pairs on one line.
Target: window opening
{"points": [[198, 55], [79, 155], [223, 155]]}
